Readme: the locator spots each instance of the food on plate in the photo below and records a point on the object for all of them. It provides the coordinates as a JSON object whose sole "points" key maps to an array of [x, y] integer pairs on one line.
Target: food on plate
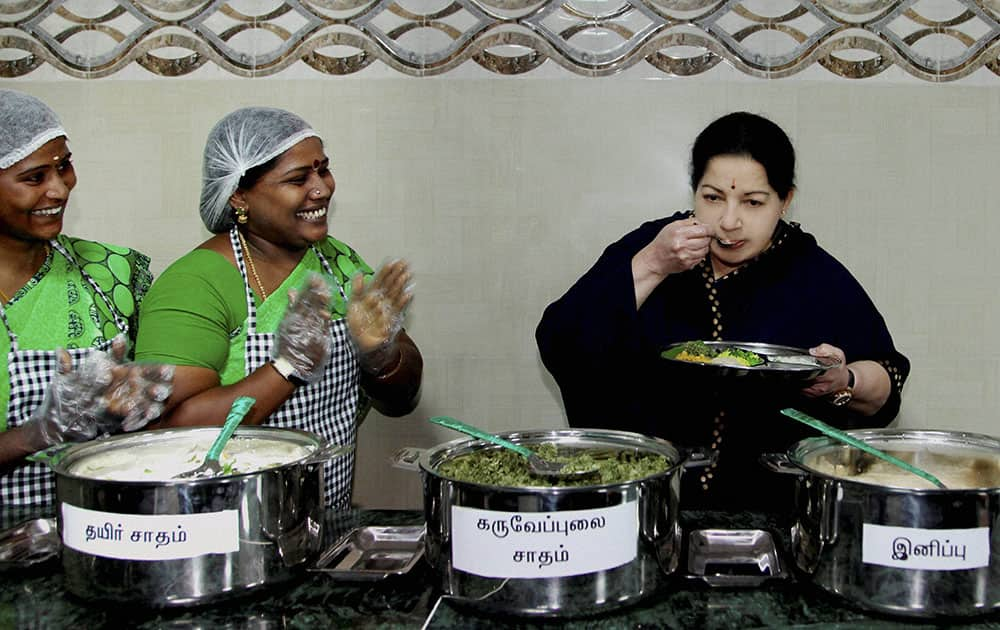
{"points": [[700, 352], [162, 460], [502, 467]]}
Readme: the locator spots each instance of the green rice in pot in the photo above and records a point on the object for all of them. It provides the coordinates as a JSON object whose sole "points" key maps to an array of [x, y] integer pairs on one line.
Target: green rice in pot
{"points": [[503, 467]]}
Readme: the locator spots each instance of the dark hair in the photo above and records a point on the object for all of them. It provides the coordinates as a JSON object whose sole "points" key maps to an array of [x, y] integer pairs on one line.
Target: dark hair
{"points": [[254, 173], [749, 135]]}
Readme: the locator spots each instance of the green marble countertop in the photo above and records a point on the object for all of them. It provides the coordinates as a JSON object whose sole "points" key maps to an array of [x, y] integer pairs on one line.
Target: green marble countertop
{"points": [[35, 598]]}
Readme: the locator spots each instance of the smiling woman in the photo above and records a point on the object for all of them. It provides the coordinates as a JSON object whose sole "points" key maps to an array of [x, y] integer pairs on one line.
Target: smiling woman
{"points": [[66, 306], [732, 269], [274, 307]]}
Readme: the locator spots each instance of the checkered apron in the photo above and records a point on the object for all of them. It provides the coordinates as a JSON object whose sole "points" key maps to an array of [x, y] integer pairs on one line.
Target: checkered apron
{"points": [[30, 372], [328, 407]]}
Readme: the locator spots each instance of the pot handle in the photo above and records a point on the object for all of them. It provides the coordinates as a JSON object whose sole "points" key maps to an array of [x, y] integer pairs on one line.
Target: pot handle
{"points": [[779, 463], [328, 451], [407, 458], [698, 458]]}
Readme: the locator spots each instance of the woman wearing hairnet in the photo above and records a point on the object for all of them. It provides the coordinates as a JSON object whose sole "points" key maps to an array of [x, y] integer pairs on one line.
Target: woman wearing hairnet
{"points": [[272, 306], [67, 306]]}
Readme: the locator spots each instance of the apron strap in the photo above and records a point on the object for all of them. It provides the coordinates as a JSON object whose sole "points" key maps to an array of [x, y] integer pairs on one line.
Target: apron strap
{"points": [[234, 240]]}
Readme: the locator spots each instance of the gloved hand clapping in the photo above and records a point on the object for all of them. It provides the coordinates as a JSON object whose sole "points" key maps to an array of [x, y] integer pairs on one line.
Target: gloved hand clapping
{"points": [[376, 311], [303, 336], [102, 395]]}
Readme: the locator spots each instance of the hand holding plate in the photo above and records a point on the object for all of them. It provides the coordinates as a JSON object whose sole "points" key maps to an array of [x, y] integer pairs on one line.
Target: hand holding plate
{"points": [[833, 380]]}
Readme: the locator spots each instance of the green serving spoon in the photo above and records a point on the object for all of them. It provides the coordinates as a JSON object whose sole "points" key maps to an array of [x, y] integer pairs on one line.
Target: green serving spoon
{"points": [[539, 467], [840, 436], [210, 467]]}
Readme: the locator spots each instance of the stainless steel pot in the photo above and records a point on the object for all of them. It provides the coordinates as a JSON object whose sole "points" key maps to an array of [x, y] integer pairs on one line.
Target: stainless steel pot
{"points": [[175, 543], [562, 551], [903, 551]]}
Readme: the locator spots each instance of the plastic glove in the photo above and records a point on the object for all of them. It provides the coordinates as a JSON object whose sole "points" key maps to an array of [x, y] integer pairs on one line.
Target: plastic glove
{"points": [[375, 314], [102, 395], [303, 336]]}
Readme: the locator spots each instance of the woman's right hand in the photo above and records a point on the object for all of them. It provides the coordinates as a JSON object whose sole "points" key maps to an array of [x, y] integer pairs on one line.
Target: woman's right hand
{"points": [[679, 246], [103, 394], [303, 336]]}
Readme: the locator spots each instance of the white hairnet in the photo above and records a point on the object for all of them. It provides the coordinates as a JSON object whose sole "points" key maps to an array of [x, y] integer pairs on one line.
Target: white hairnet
{"points": [[242, 140], [26, 124]]}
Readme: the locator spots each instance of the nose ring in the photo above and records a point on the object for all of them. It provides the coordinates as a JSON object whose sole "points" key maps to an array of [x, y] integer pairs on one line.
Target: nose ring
{"points": [[316, 191]]}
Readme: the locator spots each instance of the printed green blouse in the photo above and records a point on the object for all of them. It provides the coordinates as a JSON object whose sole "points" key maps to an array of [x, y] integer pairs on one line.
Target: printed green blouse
{"points": [[58, 307]]}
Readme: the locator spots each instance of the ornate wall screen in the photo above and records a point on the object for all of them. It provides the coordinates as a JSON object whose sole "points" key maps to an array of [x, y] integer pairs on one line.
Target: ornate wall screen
{"points": [[934, 40]]}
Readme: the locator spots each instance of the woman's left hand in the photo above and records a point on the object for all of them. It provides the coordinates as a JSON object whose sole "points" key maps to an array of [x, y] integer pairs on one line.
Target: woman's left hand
{"points": [[376, 311], [832, 380]]}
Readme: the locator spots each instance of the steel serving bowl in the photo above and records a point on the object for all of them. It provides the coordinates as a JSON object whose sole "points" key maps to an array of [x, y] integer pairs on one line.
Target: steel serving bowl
{"points": [[554, 551], [183, 542], [921, 552]]}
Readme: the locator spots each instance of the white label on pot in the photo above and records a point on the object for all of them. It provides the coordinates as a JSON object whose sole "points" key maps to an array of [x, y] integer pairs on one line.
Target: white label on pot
{"points": [[543, 544], [149, 536], [928, 549]]}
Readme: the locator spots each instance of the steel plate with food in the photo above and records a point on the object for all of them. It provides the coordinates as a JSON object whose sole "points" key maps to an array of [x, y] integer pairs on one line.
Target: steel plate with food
{"points": [[745, 358], [505, 541]]}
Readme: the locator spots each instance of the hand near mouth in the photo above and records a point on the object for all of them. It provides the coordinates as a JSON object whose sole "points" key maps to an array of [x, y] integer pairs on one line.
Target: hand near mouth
{"points": [[679, 246]]}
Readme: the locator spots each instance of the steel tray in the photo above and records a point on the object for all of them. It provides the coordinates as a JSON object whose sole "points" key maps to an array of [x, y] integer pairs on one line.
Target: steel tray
{"points": [[28, 543], [373, 553], [733, 557]]}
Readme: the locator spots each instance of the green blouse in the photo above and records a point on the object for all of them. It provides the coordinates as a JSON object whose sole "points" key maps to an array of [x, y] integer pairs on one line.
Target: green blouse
{"points": [[58, 307], [196, 313]]}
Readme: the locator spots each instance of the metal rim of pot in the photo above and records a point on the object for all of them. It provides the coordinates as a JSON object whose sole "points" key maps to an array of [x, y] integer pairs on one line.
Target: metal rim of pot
{"points": [[73, 453], [792, 460], [653, 540], [845, 532], [274, 527], [432, 458]]}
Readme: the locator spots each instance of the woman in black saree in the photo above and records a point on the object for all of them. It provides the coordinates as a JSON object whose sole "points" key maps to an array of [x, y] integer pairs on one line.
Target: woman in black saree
{"points": [[730, 269]]}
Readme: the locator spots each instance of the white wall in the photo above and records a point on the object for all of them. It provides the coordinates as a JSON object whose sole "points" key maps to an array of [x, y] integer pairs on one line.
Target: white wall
{"points": [[502, 191]]}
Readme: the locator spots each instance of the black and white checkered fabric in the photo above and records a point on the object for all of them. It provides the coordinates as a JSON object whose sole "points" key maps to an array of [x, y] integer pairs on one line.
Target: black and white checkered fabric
{"points": [[30, 372], [327, 407]]}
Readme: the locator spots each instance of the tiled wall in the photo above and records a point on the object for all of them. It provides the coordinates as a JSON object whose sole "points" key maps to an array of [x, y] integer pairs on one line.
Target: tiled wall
{"points": [[935, 40], [502, 190]]}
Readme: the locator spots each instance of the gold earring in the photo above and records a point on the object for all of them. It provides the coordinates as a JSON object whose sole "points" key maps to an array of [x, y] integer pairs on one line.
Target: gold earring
{"points": [[241, 215]]}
